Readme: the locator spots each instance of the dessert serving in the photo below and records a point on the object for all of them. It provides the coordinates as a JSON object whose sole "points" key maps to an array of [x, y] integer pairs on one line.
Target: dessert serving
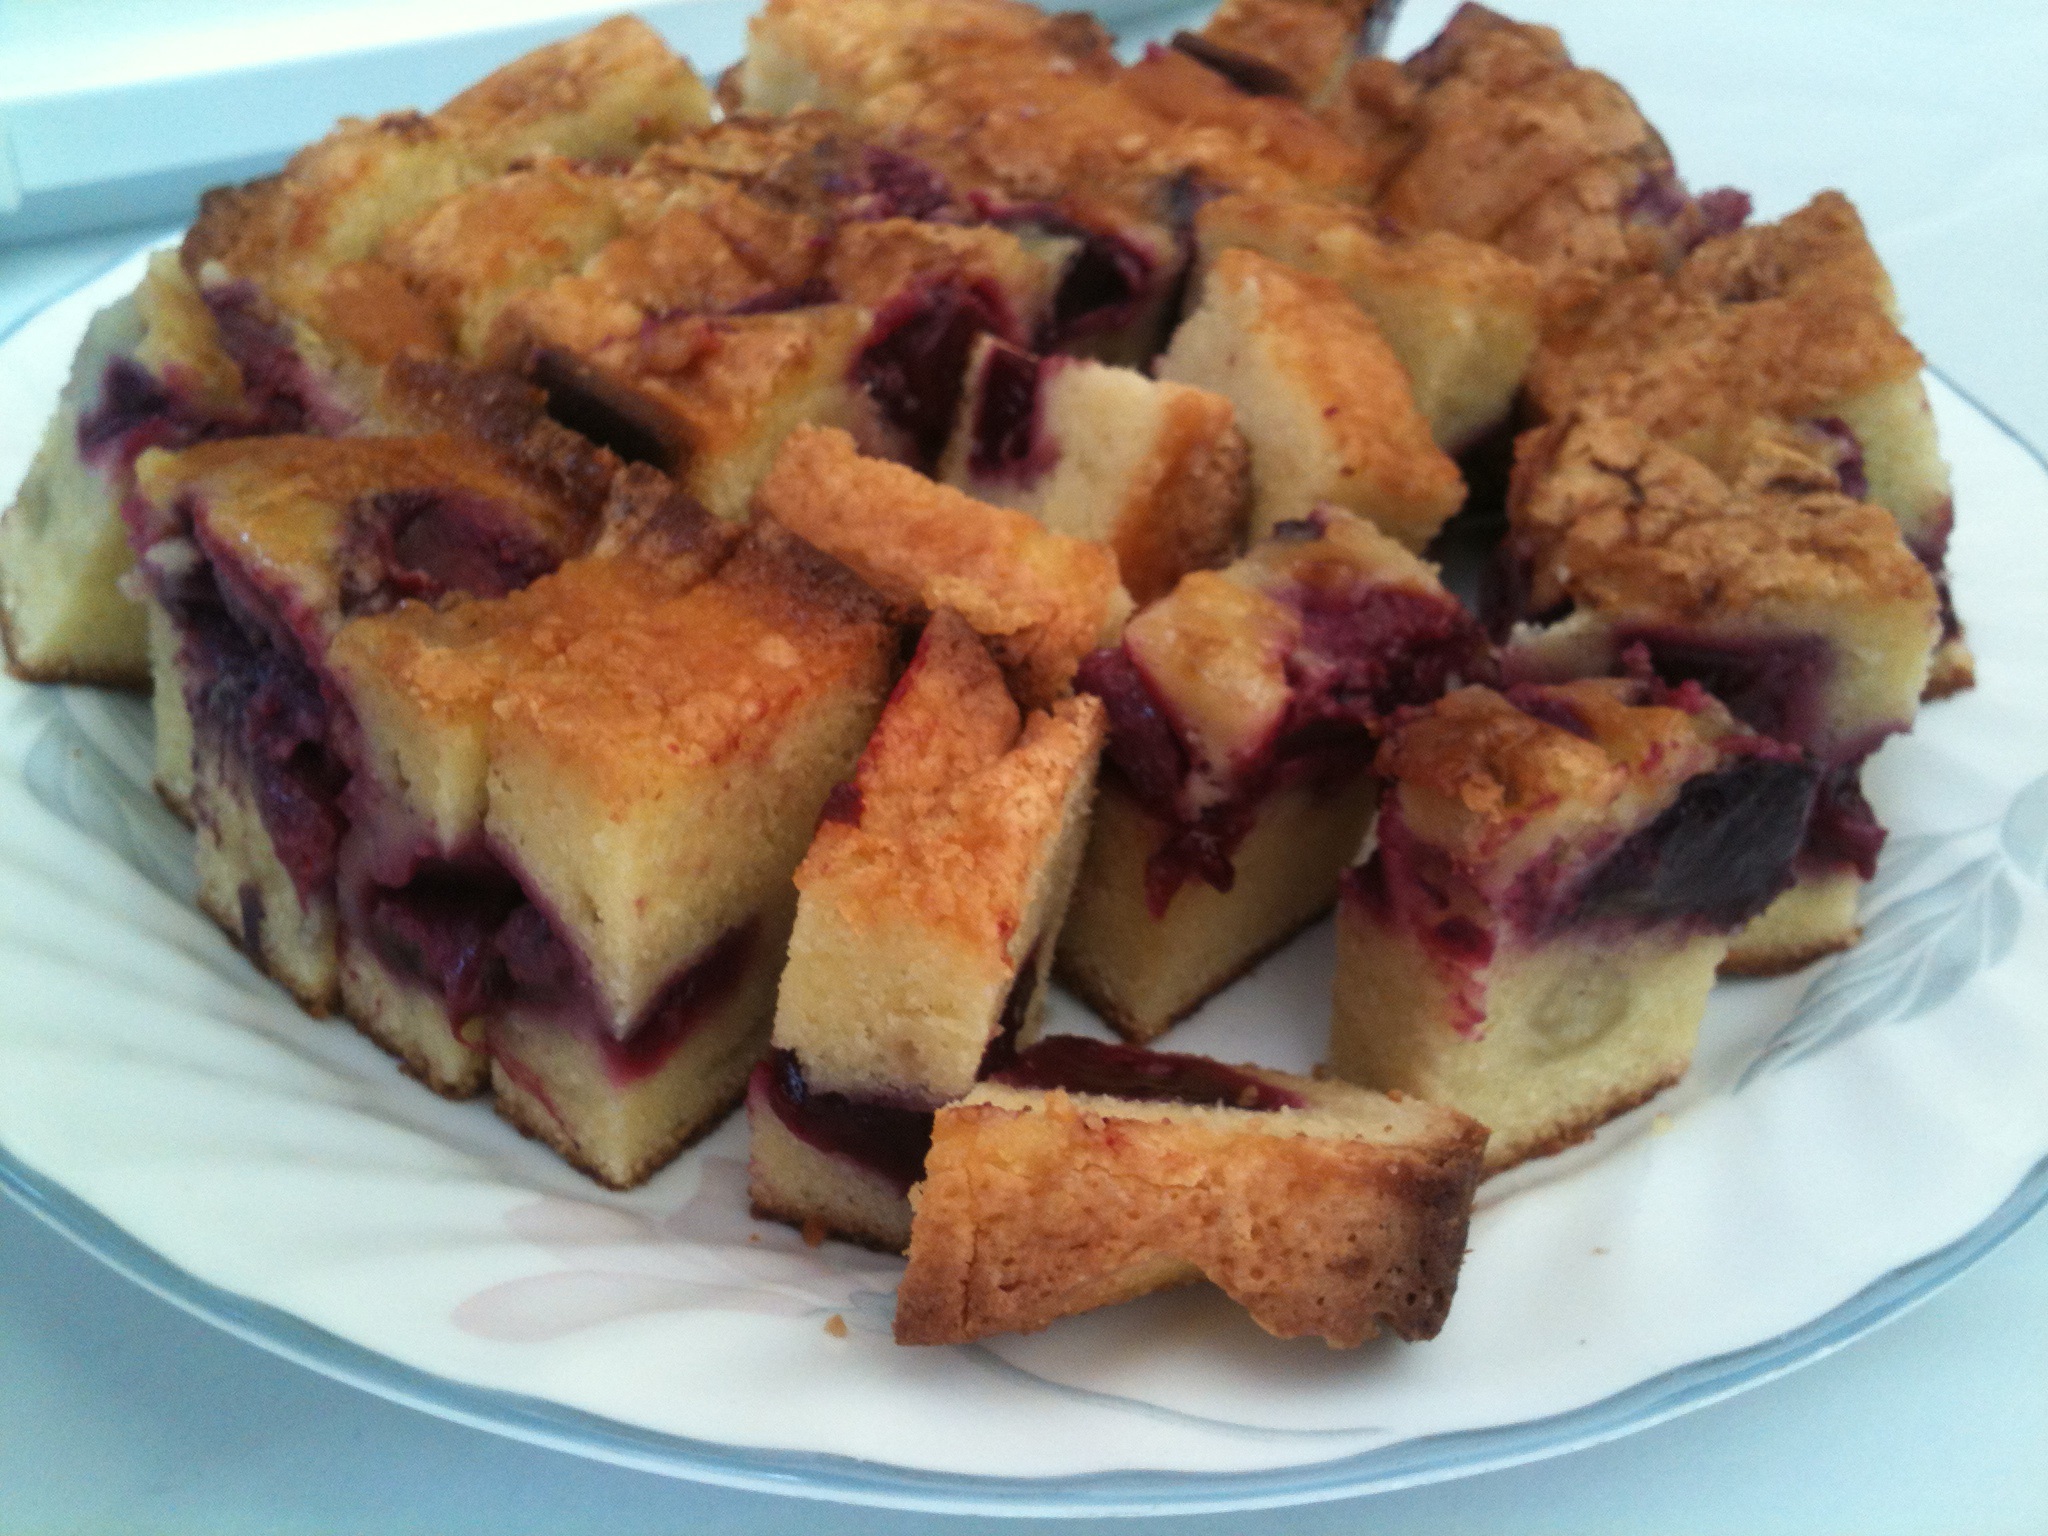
{"points": [[657, 599], [928, 906], [1556, 874], [1084, 1174]]}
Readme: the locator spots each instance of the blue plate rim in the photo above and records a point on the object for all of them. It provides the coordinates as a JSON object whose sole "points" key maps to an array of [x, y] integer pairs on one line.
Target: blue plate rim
{"points": [[841, 1479]]}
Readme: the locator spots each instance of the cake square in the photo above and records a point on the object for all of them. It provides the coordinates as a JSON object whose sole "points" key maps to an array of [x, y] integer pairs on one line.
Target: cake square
{"points": [[1794, 321], [277, 313], [1800, 609], [930, 901], [422, 893], [1461, 316], [1089, 1174], [1156, 470], [262, 549], [150, 373], [1237, 783], [652, 787], [1555, 877], [1502, 138], [1042, 600], [1324, 404]]}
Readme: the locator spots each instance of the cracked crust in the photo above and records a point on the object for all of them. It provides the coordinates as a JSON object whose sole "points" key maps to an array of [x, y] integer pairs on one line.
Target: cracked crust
{"points": [[1786, 319], [1612, 519]]}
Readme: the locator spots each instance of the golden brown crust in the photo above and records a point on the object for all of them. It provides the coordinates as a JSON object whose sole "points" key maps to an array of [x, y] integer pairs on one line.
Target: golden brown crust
{"points": [[958, 799], [604, 92], [506, 415], [1784, 320], [700, 678], [1513, 144], [1193, 98], [1043, 601], [1054, 1205], [286, 501], [1612, 519], [1309, 43]]}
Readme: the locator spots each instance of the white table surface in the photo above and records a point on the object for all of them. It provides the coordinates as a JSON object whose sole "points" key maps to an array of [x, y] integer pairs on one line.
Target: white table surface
{"points": [[119, 1413]]}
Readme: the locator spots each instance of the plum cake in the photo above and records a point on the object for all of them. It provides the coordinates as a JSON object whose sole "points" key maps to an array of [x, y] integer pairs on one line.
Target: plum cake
{"points": [[1154, 469], [423, 895], [1460, 315], [258, 551], [1800, 609], [1324, 404], [1087, 1174], [929, 904], [150, 373], [622, 771], [275, 314], [1041, 599], [1795, 321], [1236, 782], [1493, 133], [1555, 877]]}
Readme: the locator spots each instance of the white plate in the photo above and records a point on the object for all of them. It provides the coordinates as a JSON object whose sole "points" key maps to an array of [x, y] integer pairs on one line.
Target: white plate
{"points": [[1848, 1139]]}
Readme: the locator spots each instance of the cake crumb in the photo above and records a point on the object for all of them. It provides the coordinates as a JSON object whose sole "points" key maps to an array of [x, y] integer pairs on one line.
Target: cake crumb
{"points": [[814, 1232], [836, 1326], [1660, 1125]]}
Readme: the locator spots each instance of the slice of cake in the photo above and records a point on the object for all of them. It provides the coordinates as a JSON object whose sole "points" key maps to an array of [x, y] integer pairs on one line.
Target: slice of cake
{"points": [[1156, 470], [262, 549], [1798, 608], [1555, 878], [1504, 139], [1298, 48], [930, 901], [1042, 600], [652, 787], [1237, 778], [1088, 1174], [1323, 402], [1795, 321], [423, 896], [1460, 315], [710, 398], [278, 311], [150, 373], [291, 265]]}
